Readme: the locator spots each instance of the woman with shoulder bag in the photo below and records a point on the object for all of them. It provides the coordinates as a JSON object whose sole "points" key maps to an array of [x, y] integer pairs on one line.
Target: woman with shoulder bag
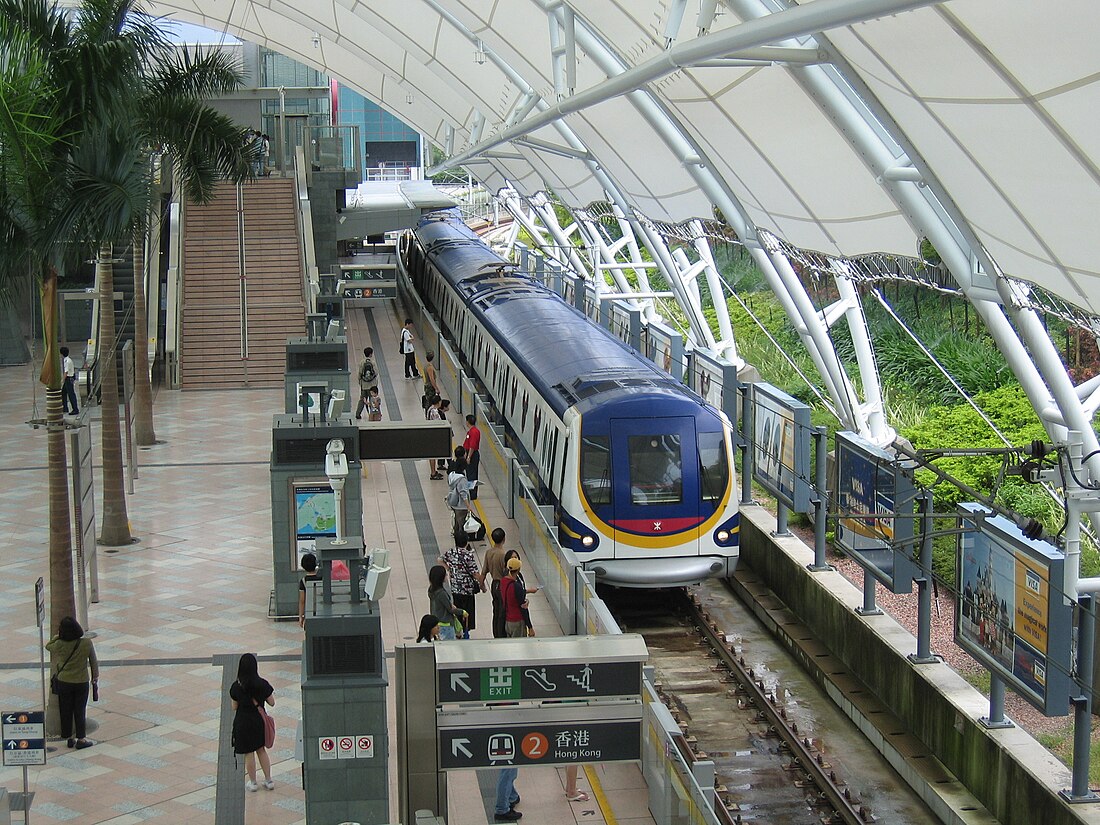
{"points": [[248, 695], [76, 657]]}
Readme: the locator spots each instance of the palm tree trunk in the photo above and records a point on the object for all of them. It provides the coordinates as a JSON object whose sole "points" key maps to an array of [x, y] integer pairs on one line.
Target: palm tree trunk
{"points": [[143, 390], [116, 524], [62, 597]]}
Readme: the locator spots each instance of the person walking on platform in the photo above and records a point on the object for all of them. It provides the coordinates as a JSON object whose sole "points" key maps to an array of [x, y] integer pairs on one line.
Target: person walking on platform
{"points": [[434, 413], [529, 630], [514, 600], [367, 376], [409, 350], [493, 567], [466, 580], [247, 696], [374, 405], [431, 382], [441, 604], [472, 443], [77, 661], [507, 798], [68, 384]]}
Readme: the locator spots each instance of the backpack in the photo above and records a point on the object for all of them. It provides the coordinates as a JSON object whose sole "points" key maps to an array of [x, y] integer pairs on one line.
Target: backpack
{"points": [[367, 374], [454, 500]]}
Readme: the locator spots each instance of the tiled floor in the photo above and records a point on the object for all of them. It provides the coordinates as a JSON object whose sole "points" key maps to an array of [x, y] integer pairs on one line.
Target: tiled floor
{"points": [[195, 586]]}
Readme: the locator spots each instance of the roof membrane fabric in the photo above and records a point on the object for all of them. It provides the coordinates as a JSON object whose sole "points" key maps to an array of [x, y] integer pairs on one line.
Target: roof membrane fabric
{"points": [[997, 103]]}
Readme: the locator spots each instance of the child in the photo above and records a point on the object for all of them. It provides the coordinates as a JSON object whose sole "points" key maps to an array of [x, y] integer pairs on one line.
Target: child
{"points": [[374, 405]]}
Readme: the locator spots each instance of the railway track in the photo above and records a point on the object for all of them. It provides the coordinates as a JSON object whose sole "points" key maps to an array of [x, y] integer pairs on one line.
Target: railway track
{"points": [[776, 740]]}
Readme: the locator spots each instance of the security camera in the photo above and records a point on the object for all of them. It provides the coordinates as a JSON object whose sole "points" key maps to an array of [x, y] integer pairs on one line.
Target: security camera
{"points": [[336, 463]]}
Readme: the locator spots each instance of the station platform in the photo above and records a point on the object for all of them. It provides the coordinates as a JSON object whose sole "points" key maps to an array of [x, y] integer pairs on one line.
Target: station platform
{"points": [[178, 607]]}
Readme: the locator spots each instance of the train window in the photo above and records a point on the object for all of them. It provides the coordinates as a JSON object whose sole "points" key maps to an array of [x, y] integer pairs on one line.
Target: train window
{"points": [[656, 475], [596, 469], [713, 467]]}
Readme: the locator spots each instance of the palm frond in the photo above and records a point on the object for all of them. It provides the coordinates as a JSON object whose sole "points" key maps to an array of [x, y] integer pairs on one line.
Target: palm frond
{"points": [[195, 73]]}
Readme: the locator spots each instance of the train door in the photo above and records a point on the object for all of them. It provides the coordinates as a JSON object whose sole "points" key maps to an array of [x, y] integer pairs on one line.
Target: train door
{"points": [[653, 499]]}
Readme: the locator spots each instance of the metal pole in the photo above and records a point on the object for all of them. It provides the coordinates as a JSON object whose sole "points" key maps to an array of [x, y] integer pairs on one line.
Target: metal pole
{"points": [[1082, 705], [924, 654], [746, 446], [26, 798], [282, 131], [869, 607], [996, 718], [781, 529], [821, 508]]}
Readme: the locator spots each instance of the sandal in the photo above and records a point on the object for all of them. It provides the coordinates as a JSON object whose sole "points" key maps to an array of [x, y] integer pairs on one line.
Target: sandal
{"points": [[580, 796], [435, 476]]}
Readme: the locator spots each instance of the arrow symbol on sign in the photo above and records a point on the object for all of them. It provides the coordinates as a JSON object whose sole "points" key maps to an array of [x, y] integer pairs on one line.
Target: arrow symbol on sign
{"points": [[12, 744], [460, 745], [9, 719], [458, 680]]}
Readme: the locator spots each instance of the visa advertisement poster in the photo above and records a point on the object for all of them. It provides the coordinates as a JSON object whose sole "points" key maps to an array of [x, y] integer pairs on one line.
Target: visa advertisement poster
{"points": [[1010, 613]]}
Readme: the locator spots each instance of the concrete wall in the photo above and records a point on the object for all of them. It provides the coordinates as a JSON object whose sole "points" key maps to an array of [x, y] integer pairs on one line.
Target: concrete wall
{"points": [[1007, 770]]}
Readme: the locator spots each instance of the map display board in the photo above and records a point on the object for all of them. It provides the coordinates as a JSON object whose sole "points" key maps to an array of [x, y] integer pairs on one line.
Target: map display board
{"points": [[874, 501], [781, 446], [1011, 615], [314, 516]]}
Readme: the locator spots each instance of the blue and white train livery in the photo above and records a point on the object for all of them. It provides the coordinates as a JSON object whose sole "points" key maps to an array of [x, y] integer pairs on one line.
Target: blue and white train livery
{"points": [[638, 467]]}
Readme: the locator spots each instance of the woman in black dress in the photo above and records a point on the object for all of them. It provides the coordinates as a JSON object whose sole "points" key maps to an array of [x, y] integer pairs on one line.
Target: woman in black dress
{"points": [[246, 695]]}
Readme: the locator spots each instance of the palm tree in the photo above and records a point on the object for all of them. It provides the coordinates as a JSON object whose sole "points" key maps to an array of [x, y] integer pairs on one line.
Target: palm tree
{"points": [[80, 99], [157, 105], [34, 131]]}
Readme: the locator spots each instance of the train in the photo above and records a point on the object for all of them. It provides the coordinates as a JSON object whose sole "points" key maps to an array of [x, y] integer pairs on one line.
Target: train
{"points": [[638, 468]]}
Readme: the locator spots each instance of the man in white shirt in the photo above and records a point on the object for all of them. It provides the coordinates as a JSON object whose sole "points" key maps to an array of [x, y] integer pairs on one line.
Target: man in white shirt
{"points": [[408, 350], [68, 386]]}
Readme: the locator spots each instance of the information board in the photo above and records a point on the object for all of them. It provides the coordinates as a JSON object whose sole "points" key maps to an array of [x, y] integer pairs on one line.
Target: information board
{"points": [[1011, 615], [874, 502], [314, 516], [781, 446], [24, 737]]}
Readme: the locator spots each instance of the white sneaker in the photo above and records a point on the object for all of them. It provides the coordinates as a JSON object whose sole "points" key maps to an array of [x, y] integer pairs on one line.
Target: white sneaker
{"points": [[251, 786], [269, 784]]}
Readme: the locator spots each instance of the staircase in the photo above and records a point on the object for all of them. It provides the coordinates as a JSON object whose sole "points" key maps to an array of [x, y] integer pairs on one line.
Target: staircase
{"points": [[225, 345]]}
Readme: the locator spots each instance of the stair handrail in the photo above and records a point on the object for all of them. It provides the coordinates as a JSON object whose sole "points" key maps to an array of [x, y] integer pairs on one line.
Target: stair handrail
{"points": [[174, 291], [311, 277]]}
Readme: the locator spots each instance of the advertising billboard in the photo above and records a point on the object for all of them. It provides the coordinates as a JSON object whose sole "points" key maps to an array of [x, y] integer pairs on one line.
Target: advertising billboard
{"points": [[874, 502], [1010, 614], [781, 446]]}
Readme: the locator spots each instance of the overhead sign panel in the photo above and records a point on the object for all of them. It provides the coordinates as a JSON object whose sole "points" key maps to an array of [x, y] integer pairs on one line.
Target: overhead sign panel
{"points": [[1011, 615], [513, 670], [516, 682], [536, 744]]}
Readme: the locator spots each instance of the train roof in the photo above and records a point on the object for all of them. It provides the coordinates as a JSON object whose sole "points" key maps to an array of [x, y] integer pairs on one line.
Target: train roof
{"points": [[569, 359]]}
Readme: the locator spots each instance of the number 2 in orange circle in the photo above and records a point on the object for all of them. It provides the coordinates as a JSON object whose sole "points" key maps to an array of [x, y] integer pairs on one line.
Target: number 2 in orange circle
{"points": [[534, 746]]}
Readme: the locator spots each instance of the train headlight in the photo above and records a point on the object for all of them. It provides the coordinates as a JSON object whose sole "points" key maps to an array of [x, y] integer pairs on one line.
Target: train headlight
{"points": [[723, 535], [588, 541]]}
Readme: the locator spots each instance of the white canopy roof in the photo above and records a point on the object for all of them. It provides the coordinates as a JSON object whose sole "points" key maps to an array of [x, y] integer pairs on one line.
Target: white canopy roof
{"points": [[995, 107]]}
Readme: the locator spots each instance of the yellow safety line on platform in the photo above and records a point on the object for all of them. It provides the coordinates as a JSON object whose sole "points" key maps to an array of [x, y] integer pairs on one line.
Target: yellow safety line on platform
{"points": [[601, 797]]}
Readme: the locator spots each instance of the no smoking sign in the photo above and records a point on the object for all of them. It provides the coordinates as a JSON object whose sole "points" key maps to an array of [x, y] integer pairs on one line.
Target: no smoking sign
{"points": [[345, 746]]}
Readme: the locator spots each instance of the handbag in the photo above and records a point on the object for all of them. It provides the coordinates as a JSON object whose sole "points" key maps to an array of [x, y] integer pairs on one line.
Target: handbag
{"points": [[269, 726], [471, 526], [53, 676]]}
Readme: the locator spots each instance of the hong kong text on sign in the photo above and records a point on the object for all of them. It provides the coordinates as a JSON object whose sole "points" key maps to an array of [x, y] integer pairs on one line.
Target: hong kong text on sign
{"points": [[537, 744]]}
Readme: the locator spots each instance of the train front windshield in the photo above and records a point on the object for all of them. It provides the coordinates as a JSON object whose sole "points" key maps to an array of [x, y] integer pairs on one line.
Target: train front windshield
{"points": [[653, 478]]}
